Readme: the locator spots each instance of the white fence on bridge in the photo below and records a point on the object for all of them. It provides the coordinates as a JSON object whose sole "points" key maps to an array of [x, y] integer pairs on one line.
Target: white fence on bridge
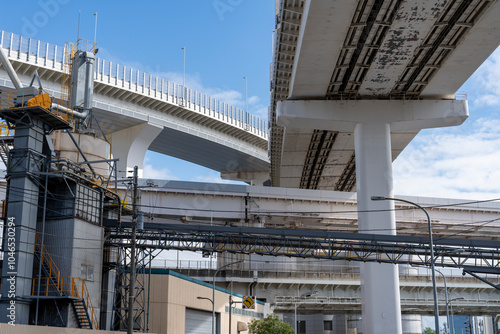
{"points": [[51, 56]]}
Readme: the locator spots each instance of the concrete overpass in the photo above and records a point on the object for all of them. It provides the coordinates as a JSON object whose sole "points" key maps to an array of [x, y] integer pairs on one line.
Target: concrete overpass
{"points": [[322, 287], [144, 112], [352, 83], [366, 50]]}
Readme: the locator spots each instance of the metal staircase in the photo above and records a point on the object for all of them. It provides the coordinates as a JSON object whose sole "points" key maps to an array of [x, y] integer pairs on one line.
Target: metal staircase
{"points": [[51, 284], [6, 142], [82, 314]]}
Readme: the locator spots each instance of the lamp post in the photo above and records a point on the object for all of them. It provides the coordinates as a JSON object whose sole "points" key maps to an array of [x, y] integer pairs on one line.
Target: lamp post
{"points": [[246, 103], [295, 318], [206, 298], [246, 94], [446, 300], [131, 288], [431, 246], [213, 291], [95, 28], [451, 308], [184, 75]]}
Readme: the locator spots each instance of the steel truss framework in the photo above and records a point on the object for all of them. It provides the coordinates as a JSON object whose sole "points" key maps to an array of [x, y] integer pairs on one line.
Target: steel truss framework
{"points": [[143, 256], [471, 255]]}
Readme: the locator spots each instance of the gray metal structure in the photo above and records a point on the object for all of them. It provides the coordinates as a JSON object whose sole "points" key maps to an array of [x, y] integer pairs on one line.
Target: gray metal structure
{"points": [[28, 159], [470, 255], [82, 81]]}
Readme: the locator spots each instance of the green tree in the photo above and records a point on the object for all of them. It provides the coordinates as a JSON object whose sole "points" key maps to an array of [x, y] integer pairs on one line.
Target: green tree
{"points": [[270, 325], [428, 330]]}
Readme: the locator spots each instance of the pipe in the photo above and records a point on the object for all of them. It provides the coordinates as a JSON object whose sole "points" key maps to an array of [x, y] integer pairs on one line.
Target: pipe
{"points": [[10, 70], [78, 114]]}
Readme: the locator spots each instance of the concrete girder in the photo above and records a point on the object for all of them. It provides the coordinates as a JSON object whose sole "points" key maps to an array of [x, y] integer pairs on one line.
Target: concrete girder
{"points": [[130, 146], [345, 115], [309, 78], [409, 29]]}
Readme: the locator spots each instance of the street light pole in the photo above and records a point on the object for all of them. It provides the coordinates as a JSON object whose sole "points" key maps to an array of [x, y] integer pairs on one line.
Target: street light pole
{"points": [[295, 304], [131, 289], [184, 75], [95, 28], [451, 310], [246, 103], [246, 94], [213, 291], [431, 246], [446, 300]]}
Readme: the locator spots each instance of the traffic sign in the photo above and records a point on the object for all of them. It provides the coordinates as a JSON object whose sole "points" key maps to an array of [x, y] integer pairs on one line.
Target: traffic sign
{"points": [[249, 302]]}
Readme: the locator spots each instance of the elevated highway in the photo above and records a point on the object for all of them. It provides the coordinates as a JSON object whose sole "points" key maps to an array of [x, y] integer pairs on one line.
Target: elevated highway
{"points": [[144, 112], [284, 280], [352, 83], [367, 50]]}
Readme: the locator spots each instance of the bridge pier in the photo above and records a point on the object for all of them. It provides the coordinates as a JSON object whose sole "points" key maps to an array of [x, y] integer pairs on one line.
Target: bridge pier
{"points": [[372, 123], [130, 146]]}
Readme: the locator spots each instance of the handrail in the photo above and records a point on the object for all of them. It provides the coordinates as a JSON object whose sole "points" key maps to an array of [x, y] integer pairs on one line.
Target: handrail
{"points": [[51, 56], [84, 294], [44, 255], [71, 287], [10, 100], [5, 131]]}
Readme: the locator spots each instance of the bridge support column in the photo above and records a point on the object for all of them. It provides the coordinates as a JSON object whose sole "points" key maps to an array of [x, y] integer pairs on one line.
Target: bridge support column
{"points": [[372, 123], [379, 282], [130, 146]]}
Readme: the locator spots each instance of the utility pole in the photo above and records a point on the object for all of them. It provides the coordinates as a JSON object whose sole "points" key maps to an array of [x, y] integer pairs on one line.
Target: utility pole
{"points": [[95, 28], [231, 302], [131, 288], [184, 76]]}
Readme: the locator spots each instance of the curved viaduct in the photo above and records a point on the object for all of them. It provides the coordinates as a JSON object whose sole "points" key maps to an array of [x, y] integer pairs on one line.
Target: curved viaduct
{"points": [[144, 112]]}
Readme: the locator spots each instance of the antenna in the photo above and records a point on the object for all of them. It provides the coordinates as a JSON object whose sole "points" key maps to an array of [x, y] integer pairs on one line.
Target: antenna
{"points": [[78, 34], [95, 28]]}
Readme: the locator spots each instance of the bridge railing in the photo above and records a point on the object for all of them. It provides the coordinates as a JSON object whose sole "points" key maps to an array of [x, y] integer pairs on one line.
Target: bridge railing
{"points": [[51, 56]]}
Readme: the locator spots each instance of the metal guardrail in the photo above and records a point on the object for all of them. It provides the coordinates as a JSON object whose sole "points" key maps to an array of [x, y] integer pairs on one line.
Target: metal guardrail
{"points": [[15, 99], [51, 56], [56, 285], [68, 286]]}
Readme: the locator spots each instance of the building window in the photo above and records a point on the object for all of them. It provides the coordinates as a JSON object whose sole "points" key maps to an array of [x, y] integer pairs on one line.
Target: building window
{"points": [[327, 325], [301, 327], [87, 273], [88, 204]]}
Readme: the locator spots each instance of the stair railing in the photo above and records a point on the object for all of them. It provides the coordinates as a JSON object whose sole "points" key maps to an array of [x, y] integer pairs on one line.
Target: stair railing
{"points": [[69, 286], [79, 290], [46, 259]]}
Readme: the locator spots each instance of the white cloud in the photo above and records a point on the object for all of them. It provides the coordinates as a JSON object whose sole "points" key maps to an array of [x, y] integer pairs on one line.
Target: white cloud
{"points": [[252, 100], [150, 172], [484, 83], [456, 165]]}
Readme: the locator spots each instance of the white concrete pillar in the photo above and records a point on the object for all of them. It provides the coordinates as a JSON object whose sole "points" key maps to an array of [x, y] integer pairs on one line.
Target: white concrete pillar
{"points": [[379, 282], [372, 122], [130, 146]]}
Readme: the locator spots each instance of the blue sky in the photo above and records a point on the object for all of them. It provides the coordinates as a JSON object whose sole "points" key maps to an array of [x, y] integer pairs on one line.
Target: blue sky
{"points": [[226, 40]]}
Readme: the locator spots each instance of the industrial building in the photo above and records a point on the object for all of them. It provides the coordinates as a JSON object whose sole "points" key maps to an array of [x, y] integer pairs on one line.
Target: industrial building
{"points": [[82, 231]]}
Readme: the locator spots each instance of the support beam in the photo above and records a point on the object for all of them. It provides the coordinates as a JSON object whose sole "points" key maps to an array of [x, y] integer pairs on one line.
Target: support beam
{"points": [[345, 115], [130, 146], [380, 288], [372, 123]]}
